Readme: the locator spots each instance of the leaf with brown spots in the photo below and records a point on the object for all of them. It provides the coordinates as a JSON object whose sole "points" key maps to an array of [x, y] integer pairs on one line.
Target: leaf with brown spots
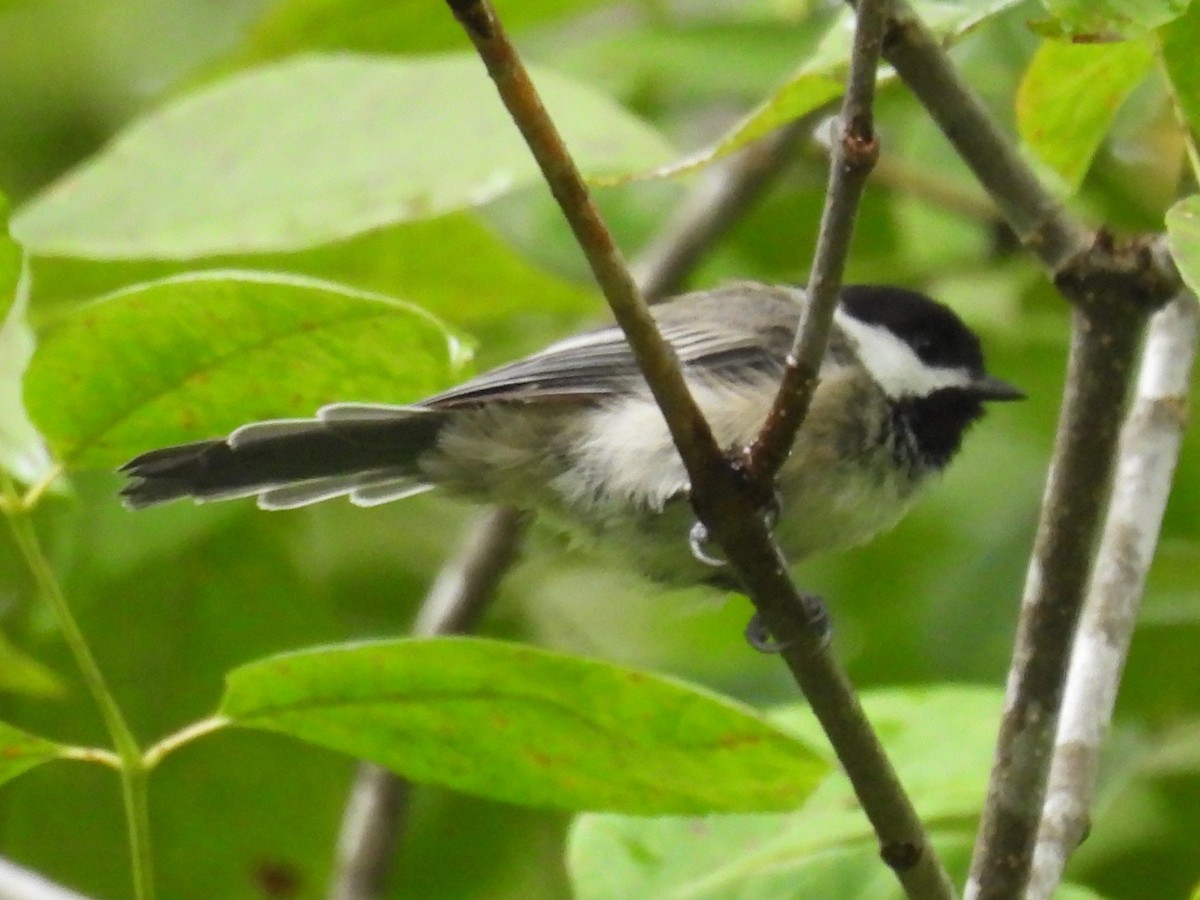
{"points": [[195, 356], [21, 751], [524, 725]]}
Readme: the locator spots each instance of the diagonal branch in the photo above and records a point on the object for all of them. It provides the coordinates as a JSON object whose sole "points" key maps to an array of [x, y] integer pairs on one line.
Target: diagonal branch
{"points": [[1040, 221], [725, 501], [376, 813], [654, 355]]}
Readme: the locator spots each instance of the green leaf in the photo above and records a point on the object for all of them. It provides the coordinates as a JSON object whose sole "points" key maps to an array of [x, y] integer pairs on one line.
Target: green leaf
{"points": [[1103, 18], [1183, 235], [20, 673], [195, 356], [10, 261], [1067, 891], [398, 26], [852, 872], [820, 79], [314, 149], [730, 58], [719, 856], [21, 751], [528, 726], [1069, 97], [1177, 47], [423, 261], [22, 451], [1172, 595]]}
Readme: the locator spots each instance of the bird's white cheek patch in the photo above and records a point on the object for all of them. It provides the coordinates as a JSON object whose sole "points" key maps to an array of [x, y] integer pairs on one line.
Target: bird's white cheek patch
{"points": [[894, 365]]}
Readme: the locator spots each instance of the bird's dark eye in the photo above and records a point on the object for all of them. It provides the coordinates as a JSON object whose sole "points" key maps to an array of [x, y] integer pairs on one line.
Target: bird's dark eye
{"points": [[926, 348]]}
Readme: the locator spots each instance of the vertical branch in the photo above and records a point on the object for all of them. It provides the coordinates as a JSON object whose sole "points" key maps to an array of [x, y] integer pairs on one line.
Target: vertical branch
{"points": [[1150, 444], [1106, 332], [1112, 287]]}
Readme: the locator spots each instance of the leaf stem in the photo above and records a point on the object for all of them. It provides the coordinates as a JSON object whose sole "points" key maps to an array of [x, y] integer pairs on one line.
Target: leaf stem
{"points": [[133, 769], [172, 742], [97, 755]]}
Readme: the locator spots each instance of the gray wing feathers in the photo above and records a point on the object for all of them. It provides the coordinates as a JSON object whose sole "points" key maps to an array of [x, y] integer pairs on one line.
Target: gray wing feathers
{"points": [[600, 363]]}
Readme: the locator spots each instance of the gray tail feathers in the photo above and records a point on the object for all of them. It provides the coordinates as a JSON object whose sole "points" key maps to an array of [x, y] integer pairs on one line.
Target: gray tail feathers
{"points": [[368, 452]]}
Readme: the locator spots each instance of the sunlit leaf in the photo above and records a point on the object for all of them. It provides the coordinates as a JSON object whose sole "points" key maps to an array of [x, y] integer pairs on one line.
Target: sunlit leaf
{"points": [[398, 26], [1183, 234], [1070, 95], [20, 673], [22, 451], [528, 726], [734, 56], [314, 149], [1101, 18], [821, 77], [727, 856], [195, 356], [1177, 46], [21, 751], [419, 260]]}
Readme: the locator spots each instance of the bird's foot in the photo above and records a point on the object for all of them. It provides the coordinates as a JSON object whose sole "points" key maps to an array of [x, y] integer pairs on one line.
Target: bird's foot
{"points": [[816, 615], [700, 542]]}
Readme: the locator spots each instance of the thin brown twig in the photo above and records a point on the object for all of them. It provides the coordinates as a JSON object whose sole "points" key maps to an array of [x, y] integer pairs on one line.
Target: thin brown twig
{"points": [[1113, 286], [855, 151], [728, 505]]}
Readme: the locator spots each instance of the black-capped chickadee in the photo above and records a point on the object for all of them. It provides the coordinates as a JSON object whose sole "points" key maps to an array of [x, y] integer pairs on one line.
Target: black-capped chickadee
{"points": [[574, 433]]}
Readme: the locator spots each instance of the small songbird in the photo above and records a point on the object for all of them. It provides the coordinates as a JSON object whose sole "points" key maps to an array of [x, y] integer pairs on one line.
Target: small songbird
{"points": [[573, 432]]}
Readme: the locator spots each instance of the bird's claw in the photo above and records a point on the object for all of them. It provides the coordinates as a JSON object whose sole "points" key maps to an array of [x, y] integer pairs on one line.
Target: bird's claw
{"points": [[758, 637], [816, 618], [699, 541], [772, 510]]}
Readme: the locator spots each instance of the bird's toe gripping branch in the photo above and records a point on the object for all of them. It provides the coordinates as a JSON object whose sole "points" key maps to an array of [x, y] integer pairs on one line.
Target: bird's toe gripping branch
{"points": [[818, 618], [701, 544]]}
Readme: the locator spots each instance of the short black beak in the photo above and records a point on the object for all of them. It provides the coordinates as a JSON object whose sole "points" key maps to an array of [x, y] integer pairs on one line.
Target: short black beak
{"points": [[989, 388]]}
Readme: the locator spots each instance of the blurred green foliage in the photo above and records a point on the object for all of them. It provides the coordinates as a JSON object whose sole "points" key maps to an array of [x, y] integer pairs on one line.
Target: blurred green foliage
{"points": [[173, 598]]}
